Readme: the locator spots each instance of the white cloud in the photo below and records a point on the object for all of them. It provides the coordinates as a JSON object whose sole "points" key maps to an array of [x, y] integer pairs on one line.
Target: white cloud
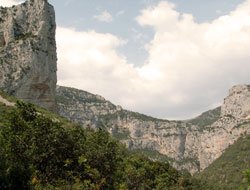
{"points": [[219, 12], [189, 69], [9, 3], [199, 61], [120, 13], [105, 16], [89, 61]]}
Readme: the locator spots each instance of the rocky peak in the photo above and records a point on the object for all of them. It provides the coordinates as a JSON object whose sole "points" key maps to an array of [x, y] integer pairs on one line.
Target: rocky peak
{"points": [[237, 104], [28, 52]]}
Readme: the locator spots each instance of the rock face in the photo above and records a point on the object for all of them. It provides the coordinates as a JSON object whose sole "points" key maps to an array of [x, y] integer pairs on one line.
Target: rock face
{"points": [[237, 103], [188, 145], [28, 52], [83, 107]]}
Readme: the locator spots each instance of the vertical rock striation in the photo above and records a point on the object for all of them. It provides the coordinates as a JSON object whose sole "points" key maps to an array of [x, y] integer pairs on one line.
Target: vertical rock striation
{"points": [[28, 52], [188, 145]]}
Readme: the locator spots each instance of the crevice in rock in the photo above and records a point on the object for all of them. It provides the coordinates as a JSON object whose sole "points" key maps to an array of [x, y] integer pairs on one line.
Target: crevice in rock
{"points": [[2, 40]]}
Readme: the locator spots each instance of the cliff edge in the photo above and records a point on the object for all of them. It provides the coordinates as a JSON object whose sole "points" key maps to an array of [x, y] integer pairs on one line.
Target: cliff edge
{"points": [[188, 145], [28, 52]]}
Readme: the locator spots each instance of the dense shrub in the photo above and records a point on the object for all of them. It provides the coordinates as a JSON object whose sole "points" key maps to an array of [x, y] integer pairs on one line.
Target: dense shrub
{"points": [[37, 153]]}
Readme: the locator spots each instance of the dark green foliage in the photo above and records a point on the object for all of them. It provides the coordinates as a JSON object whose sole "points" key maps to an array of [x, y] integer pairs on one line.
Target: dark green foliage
{"points": [[37, 153], [154, 155], [4, 112], [7, 96], [122, 135], [206, 118], [70, 94], [227, 170], [243, 124], [3, 11], [124, 114], [25, 36], [247, 178], [142, 173]]}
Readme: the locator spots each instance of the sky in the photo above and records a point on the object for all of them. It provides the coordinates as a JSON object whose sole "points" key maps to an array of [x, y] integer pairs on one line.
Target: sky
{"points": [[171, 59]]}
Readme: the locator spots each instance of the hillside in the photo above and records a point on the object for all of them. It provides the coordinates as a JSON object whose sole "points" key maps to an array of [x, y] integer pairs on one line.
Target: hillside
{"points": [[206, 118], [7, 105], [227, 170], [40, 150], [188, 145]]}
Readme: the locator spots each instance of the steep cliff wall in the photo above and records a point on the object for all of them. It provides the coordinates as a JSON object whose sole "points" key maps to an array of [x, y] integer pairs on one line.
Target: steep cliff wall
{"points": [[83, 107], [28, 52], [192, 144]]}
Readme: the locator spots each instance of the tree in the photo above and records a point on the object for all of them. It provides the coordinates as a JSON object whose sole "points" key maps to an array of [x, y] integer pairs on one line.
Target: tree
{"points": [[247, 177]]}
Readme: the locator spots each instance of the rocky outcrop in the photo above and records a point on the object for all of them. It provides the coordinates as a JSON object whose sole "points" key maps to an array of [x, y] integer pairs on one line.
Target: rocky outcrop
{"points": [[28, 52], [83, 107], [188, 145], [237, 104]]}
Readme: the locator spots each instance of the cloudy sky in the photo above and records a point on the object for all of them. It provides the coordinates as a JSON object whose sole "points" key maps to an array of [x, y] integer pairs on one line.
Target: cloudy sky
{"points": [[165, 58]]}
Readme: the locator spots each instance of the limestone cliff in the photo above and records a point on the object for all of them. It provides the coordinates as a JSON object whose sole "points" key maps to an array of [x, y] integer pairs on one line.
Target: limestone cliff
{"points": [[83, 107], [28, 52], [192, 144]]}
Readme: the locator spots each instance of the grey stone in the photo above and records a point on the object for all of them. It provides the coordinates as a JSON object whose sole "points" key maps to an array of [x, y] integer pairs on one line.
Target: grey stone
{"points": [[188, 146], [28, 52]]}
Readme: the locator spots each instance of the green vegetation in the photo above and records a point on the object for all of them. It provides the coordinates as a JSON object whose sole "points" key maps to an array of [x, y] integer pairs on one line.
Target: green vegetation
{"points": [[63, 100], [37, 153], [154, 155], [122, 135], [227, 171], [247, 179], [4, 112], [7, 96], [25, 36], [124, 114], [206, 118], [70, 94], [243, 124], [170, 135], [3, 11], [40, 150], [143, 117]]}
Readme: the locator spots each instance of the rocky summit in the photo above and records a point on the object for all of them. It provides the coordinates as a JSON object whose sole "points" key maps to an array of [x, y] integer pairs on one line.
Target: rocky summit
{"points": [[188, 145], [28, 52]]}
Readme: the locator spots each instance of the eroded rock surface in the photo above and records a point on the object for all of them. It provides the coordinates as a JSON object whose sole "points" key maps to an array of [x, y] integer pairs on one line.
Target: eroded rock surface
{"points": [[28, 52], [188, 145]]}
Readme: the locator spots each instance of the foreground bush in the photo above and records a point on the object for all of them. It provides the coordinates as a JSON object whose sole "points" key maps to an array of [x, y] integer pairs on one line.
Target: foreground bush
{"points": [[37, 153]]}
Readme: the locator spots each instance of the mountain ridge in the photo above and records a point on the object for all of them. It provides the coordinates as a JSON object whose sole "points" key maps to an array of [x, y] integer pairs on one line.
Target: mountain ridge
{"points": [[188, 145]]}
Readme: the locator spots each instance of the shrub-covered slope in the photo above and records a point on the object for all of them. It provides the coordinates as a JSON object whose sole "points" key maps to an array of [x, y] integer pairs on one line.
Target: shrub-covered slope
{"points": [[228, 169], [206, 118], [40, 151], [188, 145]]}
